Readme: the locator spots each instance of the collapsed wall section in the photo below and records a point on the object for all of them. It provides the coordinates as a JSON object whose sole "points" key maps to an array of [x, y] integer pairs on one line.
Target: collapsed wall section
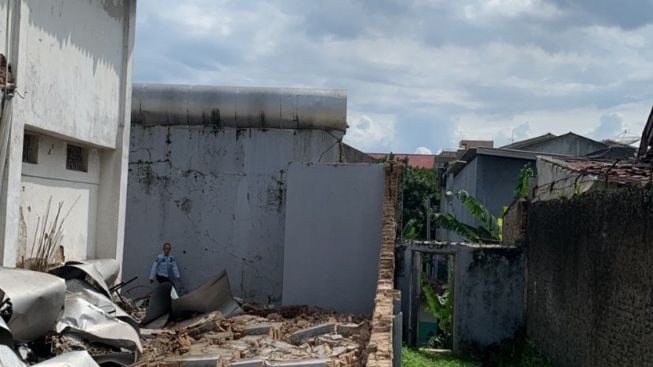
{"points": [[590, 276]]}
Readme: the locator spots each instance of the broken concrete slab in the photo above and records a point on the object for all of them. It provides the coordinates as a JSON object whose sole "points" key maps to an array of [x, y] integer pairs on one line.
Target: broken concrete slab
{"points": [[198, 320], [302, 363], [301, 335], [262, 329], [347, 330], [193, 361], [248, 363]]}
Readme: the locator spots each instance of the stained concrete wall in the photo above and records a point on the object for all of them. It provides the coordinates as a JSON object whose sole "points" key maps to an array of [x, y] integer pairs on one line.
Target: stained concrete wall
{"points": [[333, 236], [489, 296], [489, 288], [72, 65], [219, 195], [590, 278]]}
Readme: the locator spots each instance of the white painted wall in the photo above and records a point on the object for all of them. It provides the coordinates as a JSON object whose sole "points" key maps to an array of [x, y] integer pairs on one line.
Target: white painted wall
{"points": [[218, 194], [49, 178], [72, 60]]}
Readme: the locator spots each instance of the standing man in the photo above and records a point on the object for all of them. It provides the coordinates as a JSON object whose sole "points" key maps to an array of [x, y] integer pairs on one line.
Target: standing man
{"points": [[165, 266]]}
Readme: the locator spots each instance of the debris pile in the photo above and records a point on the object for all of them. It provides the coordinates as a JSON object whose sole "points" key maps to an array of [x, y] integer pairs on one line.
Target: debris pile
{"points": [[305, 334], [70, 317]]}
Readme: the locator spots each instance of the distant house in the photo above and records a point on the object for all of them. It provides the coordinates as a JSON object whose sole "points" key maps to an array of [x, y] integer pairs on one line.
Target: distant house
{"points": [[567, 144], [469, 144], [491, 174]]}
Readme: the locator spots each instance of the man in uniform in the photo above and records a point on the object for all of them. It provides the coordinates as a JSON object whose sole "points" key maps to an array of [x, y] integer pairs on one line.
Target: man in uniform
{"points": [[165, 266]]}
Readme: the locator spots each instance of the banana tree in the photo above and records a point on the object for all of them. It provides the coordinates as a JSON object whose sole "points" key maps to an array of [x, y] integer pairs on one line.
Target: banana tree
{"points": [[489, 229]]}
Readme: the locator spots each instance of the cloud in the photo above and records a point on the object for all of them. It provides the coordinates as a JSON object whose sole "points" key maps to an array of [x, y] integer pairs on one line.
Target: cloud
{"points": [[419, 73], [610, 126], [371, 132], [423, 150]]}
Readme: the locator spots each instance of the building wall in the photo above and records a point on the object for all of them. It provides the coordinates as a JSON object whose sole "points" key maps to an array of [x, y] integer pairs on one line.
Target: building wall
{"points": [[464, 180], [489, 296], [332, 236], [218, 194], [497, 179], [72, 64], [49, 180], [590, 275], [567, 145]]}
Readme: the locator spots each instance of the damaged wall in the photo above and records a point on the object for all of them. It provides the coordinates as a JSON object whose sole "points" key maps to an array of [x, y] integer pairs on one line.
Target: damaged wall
{"points": [[218, 194], [332, 236], [72, 65], [590, 276], [489, 296], [488, 291]]}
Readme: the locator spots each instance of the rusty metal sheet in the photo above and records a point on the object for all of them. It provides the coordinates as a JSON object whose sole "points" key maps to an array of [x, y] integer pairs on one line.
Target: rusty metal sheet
{"points": [[37, 301]]}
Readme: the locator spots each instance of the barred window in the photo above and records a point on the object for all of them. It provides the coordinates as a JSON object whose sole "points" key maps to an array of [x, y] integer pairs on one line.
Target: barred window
{"points": [[30, 148], [76, 158]]}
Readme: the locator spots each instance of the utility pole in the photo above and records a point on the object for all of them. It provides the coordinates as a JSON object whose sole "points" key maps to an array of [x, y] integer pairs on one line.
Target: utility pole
{"points": [[427, 206]]}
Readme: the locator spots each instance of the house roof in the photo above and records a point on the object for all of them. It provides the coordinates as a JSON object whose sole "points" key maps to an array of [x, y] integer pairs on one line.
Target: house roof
{"points": [[609, 170], [476, 144], [528, 142], [470, 154], [414, 160], [525, 144]]}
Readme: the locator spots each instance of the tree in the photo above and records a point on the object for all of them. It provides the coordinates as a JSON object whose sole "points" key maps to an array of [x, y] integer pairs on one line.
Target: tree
{"points": [[489, 229], [420, 196]]}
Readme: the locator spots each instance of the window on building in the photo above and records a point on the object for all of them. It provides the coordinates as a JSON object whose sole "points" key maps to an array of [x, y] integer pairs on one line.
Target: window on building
{"points": [[30, 148], [76, 158]]}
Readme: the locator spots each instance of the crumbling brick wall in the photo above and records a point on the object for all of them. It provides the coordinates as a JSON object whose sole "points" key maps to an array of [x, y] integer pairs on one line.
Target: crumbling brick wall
{"points": [[590, 278], [380, 351], [514, 223]]}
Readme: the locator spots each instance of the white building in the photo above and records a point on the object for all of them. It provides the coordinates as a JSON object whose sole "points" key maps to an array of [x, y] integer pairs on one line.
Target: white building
{"points": [[65, 133]]}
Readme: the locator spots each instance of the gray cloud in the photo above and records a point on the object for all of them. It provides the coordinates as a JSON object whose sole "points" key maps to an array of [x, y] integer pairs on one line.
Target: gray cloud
{"points": [[428, 72]]}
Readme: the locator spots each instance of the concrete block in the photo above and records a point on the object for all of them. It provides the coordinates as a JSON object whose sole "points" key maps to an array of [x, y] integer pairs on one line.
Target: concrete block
{"points": [[261, 329], [193, 361], [347, 330], [248, 363], [298, 336], [302, 363]]}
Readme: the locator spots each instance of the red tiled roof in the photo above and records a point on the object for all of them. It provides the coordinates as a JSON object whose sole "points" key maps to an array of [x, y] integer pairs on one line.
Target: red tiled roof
{"points": [[414, 160]]}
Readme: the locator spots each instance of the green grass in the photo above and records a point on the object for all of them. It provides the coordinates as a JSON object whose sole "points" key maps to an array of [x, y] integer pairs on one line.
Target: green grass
{"points": [[522, 355], [418, 358]]}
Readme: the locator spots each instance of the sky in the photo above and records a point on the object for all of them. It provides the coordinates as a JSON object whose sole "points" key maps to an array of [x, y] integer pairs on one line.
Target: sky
{"points": [[421, 75]]}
